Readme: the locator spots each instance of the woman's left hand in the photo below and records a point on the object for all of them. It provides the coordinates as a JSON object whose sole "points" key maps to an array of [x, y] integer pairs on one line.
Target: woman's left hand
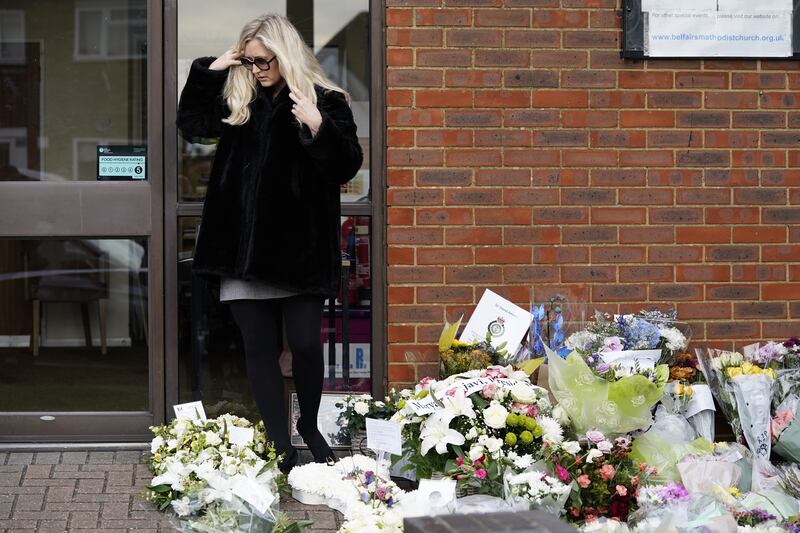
{"points": [[306, 112]]}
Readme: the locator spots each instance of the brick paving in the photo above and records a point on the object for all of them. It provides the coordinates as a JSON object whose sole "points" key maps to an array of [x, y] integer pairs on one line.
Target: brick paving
{"points": [[97, 491]]}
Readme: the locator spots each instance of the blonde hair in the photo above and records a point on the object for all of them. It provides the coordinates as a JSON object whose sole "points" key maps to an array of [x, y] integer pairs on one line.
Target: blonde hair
{"points": [[296, 63]]}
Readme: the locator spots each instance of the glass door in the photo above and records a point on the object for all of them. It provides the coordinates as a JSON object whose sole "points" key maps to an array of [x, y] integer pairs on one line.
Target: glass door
{"points": [[81, 202]]}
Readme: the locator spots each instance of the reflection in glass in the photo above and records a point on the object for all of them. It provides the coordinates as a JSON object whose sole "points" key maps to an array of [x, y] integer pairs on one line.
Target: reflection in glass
{"points": [[73, 325], [73, 75], [211, 356], [338, 31]]}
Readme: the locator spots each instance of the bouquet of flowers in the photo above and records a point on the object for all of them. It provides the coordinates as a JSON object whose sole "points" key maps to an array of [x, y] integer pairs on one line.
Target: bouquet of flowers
{"points": [[615, 406], [743, 385], [621, 344], [356, 408], [471, 425], [688, 394], [220, 475], [457, 356], [536, 490], [607, 479]]}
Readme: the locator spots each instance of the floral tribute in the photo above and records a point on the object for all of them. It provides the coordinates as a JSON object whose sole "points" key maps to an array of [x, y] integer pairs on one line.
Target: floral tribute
{"points": [[457, 356], [473, 425], [213, 482]]}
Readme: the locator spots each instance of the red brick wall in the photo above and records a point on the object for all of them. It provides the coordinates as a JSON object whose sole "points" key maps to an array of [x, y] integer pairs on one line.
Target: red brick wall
{"points": [[525, 156]]}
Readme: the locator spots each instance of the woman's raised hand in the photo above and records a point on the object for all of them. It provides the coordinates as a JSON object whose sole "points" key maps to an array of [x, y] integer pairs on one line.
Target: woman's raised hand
{"points": [[306, 112], [226, 60]]}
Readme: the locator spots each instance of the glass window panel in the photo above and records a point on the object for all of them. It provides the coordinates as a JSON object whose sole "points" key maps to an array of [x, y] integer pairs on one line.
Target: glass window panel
{"points": [[78, 78], [211, 357], [73, 325], [337, 31]]}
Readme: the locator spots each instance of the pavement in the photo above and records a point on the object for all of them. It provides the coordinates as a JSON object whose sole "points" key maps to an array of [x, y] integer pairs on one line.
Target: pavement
{"points": [[99, 491]]}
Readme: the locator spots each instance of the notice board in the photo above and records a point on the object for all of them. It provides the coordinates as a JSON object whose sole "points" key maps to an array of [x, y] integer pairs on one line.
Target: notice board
{"points": [[711, 28]]}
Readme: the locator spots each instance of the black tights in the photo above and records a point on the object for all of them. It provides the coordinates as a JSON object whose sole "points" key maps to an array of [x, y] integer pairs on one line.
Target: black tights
{"points": [[260, 323]]}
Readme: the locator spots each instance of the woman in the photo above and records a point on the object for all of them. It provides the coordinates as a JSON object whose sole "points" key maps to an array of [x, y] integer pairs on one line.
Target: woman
{"points": [[270, 226]]}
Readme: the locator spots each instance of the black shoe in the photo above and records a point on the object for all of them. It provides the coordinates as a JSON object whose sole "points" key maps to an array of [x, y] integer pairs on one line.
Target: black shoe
{"points": [[288, 462], [316, 443]]}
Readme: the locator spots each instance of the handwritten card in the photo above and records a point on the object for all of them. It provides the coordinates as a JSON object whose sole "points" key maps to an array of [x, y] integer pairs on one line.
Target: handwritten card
{"points": [[383, 435], [240, 436], [190, 411], [506, 321]]}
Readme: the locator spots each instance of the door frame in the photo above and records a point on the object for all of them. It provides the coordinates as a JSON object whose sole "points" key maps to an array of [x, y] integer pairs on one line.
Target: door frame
{"points": [[173, 209], [102, 210]]}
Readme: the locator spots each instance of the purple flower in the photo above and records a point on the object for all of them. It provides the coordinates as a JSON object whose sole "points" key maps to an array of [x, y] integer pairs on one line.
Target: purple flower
{"points": [[673, 492], [602, 368], [595, 436], [380, 492], [364, 497], [368, 475], [771, 351]]}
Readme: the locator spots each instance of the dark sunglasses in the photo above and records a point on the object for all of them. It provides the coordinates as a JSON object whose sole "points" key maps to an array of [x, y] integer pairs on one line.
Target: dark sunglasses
{"points": [[261, 62]]}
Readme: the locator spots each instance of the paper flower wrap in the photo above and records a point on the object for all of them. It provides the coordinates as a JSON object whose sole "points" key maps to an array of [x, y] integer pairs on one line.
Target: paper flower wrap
{"points": [[591, 402], [753, 395]]}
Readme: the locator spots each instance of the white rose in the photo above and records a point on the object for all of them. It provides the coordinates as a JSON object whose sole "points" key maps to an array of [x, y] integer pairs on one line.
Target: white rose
{"points": [[361, 408], [571, 447], [522, 393], [476, 452], [483, 439], [172, 444], [181, 506], [495, 415], [379, 404], [494, 445], [471, 434], [593, 454]]}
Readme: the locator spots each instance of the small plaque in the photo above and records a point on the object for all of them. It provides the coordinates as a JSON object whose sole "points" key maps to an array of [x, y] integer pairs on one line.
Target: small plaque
{"points": [[121, 163]]}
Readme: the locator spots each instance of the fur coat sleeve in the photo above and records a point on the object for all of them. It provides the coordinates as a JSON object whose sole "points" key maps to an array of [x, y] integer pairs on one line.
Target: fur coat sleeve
{"points": [[201, 107]]}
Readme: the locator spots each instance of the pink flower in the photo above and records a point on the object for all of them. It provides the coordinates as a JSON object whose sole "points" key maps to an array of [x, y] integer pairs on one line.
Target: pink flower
{"points": [[480, 473], [607, 472], [605, 446], [584, 481], [495, 372], [781, 421], [489, 390], [595, 436], [426, 382], [450, 392], [460, 460], [612, 344], [562, 473], [622, 490], [525, 409]]}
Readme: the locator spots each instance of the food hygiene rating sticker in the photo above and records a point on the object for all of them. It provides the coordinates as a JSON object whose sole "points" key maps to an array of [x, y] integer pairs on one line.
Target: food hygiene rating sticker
{"points": [[121, 162]]}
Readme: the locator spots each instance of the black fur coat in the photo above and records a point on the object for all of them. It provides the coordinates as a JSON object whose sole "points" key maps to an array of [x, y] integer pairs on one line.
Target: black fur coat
{"points": [[272, 208]]}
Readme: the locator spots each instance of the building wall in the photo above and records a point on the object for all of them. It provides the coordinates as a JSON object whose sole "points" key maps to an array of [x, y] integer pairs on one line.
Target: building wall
{"points": [[525, 156]]}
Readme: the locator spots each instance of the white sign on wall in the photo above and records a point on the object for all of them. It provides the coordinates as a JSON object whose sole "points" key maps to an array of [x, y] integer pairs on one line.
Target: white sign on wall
{"points": [[717, 28]]}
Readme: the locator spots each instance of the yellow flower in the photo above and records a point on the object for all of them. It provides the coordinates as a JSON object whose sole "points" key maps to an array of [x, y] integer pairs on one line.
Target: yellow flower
{"points": [[770, 372], [734, 491], [734, 371], [748, 368], [688, 391]]}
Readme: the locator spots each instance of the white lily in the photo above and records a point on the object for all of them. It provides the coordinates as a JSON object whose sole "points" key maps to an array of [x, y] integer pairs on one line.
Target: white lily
{"points": [[459, 404], [436, 432], [174, 476]]}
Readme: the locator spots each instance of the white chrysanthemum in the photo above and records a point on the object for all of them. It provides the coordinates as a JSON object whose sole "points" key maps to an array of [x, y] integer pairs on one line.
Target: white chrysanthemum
{"points": [[522, 462], [676, 340], [552, 431]]}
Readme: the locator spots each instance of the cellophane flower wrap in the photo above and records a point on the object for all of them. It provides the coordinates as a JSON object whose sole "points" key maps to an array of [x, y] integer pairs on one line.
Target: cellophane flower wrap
{"points": [[536, 490], [214, 485], [593, 402], [472, 425], [785, 429]]}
